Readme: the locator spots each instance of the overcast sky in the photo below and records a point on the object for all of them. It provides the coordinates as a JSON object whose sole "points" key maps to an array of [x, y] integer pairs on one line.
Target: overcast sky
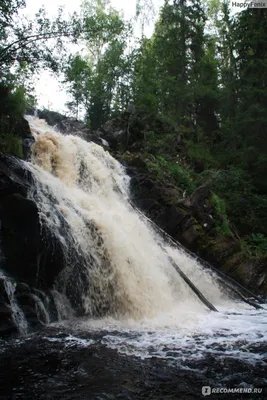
{"points": [[50, 93]]}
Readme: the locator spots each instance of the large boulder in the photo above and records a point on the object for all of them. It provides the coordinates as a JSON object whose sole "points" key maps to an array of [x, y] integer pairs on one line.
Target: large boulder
{"points": [[51, 117], [74, 127], [70, 126]]}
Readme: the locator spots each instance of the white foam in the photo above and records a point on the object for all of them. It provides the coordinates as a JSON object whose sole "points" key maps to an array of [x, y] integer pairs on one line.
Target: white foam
{"points": [[233, 333]]}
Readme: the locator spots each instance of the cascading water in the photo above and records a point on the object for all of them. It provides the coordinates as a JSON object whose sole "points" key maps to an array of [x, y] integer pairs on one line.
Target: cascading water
{"points": [[117, 294], [116, 264], [17, 314]]}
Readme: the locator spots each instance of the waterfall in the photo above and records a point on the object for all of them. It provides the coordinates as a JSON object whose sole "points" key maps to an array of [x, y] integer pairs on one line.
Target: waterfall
{"points": [[18, 316], [115, 263]]}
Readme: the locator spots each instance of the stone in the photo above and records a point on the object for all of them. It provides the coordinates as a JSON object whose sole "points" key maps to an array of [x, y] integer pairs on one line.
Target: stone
{"points": [[7, 325], [70, 126], [32, 254], [22, 128], [4, 300], [51, 117]]}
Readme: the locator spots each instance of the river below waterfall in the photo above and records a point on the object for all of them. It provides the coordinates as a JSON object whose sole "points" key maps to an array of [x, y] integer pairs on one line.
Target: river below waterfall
{"points": [[118, 321], [105, 359]]}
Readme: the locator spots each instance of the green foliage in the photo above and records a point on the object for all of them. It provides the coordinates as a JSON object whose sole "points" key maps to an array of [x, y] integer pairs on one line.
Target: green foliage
{"points": [[12, 101], [221, 222], [38, 42], [256, 244], [200, 153], [11, 144], [167, 170], [99, 82], [8, 9], [182, 177], [204, 71]]}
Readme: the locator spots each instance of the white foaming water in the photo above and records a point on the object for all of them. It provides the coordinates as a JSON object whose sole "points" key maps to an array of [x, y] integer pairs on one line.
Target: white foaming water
{"points": [[129, 273], [17, 314], [230, 333], [238, 333], [130, 270], [63, 307]]}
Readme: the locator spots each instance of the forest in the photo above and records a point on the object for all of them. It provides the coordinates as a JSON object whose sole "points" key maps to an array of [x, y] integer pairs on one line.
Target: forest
{"points": [[202, 74]]}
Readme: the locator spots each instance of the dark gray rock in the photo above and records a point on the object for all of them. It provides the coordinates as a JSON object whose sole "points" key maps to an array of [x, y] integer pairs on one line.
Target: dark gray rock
{"points": [[4, 300], [74, 127], [70, 126], [21, 128], [31, 254], [7, 325], [51, 117]]}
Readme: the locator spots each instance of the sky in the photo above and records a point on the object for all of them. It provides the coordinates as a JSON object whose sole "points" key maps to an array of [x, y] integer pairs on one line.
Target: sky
{"points": [[50, 93]]}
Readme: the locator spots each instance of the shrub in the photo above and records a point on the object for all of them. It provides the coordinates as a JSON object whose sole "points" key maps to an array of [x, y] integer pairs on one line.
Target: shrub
{"points": [[11, 144], [257, 244], [182, 177], [221, 221], [199, 152]]}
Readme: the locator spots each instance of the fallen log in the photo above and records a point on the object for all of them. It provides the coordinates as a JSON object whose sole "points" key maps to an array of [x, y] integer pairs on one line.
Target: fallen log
{"points": [[180, 272], [231, 282], [192, 286]]}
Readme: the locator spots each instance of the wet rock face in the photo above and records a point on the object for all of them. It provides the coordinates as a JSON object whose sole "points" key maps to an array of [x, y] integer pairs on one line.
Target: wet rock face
{"points": [[33, 258], [20, 231], [7, 325], [51, 117], [22, 128], [74, 127], [70, 126], [114, 132], [184, 222], [28, 254]]}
